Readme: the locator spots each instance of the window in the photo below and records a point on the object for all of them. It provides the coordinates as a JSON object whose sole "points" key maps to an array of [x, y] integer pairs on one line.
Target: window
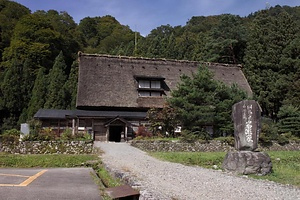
{"points": [[149, 86], [144, 84], [144, 94], [155, 84]]}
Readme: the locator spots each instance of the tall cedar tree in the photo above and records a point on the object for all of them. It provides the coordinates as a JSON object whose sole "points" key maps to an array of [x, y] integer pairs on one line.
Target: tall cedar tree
{"points": [[70, 87], [12, 100], [57, 78], [39, 92], [200, 101]]}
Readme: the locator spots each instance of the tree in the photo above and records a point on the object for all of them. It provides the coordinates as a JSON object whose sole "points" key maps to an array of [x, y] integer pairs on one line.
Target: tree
{"points": [[57, 78], [10, 14], [104, 34], [163, 120], [12, 100], [227, 40], [70, 87], [200, 101], [39, 92], [266, 63], [289, 120]]}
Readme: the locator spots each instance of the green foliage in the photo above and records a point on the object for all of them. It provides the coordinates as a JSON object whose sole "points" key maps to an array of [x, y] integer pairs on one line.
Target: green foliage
{"points": [[82, 136], [35, 127], [11, 136], [106, 178], [269, 132], [228, 140], [39, 92], [163, 121], [289, 120], [46, 135], [285, 166], [70, 87], [44, 161], [10, 13], [266, 43], [67, 135], [105, 35], [57, 77], [196, 136], [202, 101], [268, 63], [227, 40]]}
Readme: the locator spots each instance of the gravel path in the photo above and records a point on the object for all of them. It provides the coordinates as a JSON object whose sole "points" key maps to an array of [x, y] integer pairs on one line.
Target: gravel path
{"points": [[164, 180]]}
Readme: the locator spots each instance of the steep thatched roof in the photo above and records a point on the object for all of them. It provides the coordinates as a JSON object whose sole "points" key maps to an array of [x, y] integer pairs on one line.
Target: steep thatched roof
{"points": [[111, 81]]}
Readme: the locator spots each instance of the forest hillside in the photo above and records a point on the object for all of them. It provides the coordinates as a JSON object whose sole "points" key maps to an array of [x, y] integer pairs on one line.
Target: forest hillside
{"points": [[38, 55]]}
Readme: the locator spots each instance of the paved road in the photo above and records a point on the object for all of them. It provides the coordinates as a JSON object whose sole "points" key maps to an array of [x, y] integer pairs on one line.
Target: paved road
{"points": [[48, 184]]}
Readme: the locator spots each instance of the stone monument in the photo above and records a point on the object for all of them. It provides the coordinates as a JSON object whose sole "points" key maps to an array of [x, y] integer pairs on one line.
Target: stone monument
{"points": [[247, 119]]}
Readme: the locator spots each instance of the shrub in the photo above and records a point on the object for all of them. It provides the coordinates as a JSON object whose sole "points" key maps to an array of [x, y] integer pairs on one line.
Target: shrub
{"points": [[46, 135], [229, 140], [11, 136], [269, 132], [187, 136], [289, 120], [87, 136], [67, 135], [285, 138], [143, 132]]}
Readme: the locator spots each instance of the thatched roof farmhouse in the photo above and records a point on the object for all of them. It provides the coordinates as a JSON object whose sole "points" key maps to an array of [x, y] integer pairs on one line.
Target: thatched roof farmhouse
{"points": [[113, 82], [119, 84]]}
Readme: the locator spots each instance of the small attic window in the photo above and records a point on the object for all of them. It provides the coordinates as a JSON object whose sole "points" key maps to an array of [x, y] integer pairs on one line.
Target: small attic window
{"points": [[149, 86]]}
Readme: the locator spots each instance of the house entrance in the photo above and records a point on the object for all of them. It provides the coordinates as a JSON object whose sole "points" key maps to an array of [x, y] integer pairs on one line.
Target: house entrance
{"points": [[115, 133]]}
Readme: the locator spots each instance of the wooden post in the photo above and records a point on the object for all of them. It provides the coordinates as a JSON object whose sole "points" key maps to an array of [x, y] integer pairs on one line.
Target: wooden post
{"points": [[73, 127], [126, 130], [58, 127]]}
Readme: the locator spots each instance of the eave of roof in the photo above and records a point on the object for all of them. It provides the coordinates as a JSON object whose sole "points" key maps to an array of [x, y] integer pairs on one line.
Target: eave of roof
{"points": [[63, 114]]}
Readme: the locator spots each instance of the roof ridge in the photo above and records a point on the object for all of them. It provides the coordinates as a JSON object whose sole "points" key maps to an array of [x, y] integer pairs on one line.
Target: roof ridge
{"points": [[158, 59]]}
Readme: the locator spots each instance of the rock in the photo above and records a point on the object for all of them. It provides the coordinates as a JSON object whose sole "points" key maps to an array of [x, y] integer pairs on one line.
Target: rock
{"points": [[247, 162], [246, 116]]}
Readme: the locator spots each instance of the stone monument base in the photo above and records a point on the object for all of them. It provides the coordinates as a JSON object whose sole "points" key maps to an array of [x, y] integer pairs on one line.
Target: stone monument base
{"points": [[247, 162]]}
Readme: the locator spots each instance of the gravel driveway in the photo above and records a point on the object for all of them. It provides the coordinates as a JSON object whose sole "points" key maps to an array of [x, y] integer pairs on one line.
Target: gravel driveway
{"points": [[164, 180]]}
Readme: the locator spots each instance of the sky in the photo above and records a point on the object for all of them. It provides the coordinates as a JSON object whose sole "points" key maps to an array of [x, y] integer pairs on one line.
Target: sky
{"points": [[146, 15]]}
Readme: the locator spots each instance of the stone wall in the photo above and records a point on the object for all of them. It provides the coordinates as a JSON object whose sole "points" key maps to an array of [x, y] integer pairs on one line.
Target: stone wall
{"points": [[48, 147], [211, 146]]}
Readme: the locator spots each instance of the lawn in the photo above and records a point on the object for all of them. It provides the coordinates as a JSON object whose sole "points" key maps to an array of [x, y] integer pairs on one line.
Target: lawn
{"points": [[44, 161], [286, 164]]}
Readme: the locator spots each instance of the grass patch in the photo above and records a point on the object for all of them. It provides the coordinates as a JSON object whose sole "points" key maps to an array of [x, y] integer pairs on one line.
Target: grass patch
{"points": [[105, 180], [286, 164], [286, 168], [44, 161]]}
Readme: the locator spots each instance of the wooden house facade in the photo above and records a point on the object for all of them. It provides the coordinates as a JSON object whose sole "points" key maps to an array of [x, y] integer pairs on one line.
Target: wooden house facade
{"points": [[115, 92]]}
